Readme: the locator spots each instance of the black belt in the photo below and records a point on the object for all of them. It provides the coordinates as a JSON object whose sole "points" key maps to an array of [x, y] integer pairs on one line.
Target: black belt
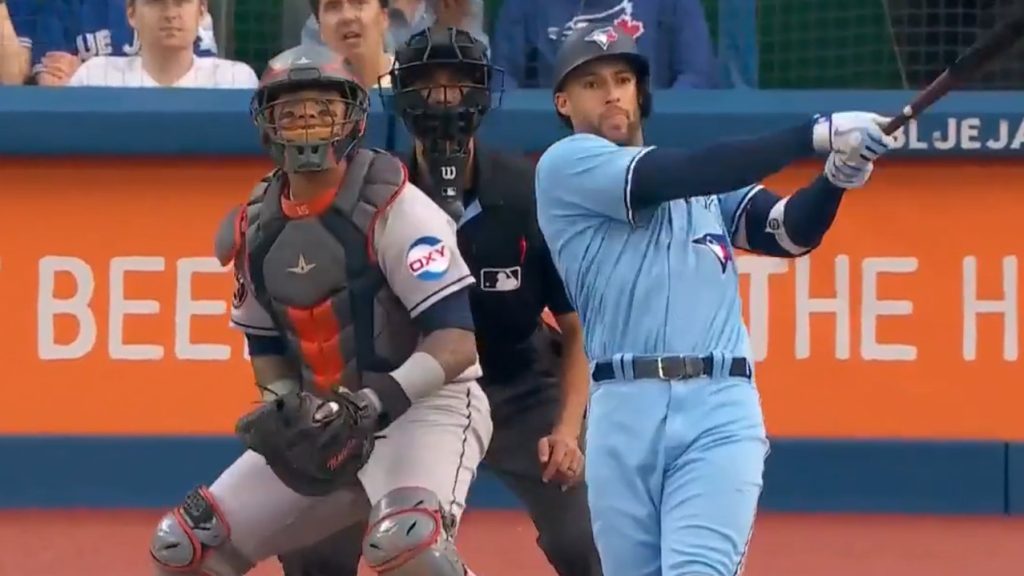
{"points": [[672, 368]]}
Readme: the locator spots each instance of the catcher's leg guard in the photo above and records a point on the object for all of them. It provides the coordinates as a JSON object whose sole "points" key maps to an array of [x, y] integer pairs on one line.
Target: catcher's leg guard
{"points": [[195, 539], [410, 535]]}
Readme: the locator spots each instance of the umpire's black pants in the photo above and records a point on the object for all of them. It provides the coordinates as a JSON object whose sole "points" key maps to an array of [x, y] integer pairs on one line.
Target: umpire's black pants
{"points": [[524, 411]]}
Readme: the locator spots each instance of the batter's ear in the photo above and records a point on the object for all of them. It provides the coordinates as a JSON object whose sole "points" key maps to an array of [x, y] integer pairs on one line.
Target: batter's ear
{"points": [[562, 105]]}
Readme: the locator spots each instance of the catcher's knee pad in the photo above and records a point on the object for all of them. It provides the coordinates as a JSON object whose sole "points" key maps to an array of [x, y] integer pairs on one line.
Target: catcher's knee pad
{"points": [[194, 538], [411, 535]]}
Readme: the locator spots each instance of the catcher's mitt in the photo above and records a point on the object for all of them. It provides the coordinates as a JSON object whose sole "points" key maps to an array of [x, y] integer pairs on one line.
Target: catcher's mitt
{"points": [[314, 446]]}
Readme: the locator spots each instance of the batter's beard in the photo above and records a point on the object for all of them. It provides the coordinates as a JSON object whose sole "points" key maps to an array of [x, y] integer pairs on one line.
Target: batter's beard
{"points": [[631, 137]]}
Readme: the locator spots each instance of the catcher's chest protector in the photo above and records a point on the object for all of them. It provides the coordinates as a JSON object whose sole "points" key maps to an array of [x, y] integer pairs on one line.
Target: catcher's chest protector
{"points": [[318, 278]]}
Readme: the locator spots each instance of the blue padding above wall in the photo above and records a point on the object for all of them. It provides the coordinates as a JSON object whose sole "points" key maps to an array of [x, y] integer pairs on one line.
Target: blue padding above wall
{"points": [[1015, 478], [802, 475], [151, 121], [886, 476]]}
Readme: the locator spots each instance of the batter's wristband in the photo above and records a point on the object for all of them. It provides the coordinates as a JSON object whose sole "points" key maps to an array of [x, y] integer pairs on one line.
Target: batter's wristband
{"points": [[393, 399]]}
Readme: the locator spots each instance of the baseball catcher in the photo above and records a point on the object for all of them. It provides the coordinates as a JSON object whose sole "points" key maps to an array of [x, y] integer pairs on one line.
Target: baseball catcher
{"points": [[353, 298]]}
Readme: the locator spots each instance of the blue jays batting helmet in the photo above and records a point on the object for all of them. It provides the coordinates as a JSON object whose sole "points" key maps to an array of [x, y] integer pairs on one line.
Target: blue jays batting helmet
{"points": [[598, 41]]}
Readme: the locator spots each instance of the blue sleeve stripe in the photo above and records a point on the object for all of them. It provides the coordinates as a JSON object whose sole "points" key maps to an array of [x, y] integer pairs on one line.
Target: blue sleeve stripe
{"points": [[627, 191], [737, 216]]}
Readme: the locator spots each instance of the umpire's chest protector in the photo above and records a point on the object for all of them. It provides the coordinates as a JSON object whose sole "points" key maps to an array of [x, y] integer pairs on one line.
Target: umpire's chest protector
{"points": [[316, 273]]}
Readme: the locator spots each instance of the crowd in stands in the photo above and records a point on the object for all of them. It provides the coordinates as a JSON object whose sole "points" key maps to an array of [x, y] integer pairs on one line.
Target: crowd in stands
{"points": [[173, 43]]}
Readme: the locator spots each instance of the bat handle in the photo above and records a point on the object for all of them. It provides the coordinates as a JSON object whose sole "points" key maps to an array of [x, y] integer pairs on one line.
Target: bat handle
{"points": [[905, 115]]}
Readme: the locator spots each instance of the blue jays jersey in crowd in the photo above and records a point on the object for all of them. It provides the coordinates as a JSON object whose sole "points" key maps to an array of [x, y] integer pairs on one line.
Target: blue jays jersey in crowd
{"points": [[656, 281], [91, 28]]}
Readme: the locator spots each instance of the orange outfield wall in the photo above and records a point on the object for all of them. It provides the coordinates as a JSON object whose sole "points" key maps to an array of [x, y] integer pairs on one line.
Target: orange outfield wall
{"points": [[904, 324]]}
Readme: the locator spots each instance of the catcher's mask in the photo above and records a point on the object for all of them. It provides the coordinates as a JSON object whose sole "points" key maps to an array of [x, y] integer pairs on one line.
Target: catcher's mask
{"points": [[310, 110], [443, 84]]}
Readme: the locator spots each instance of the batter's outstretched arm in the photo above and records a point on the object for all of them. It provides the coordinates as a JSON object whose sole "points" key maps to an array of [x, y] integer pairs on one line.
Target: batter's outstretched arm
{"points": [[765, 223], [587, 173], [665, 174]]}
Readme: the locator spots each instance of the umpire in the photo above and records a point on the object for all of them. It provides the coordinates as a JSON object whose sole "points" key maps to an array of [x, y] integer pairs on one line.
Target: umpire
{"points": [[535, 377]]}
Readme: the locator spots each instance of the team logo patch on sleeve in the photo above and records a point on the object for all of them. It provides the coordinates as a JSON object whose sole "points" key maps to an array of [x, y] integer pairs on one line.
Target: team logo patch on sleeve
{"points": [[428, 258]]}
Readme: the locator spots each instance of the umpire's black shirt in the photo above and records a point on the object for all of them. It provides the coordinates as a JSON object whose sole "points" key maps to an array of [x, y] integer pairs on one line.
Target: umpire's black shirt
{"points": [[515, 276]]}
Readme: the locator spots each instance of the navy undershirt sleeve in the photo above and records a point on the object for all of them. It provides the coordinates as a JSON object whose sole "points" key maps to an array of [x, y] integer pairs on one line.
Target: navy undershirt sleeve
{"points": [[452, 311], [265, 345], [809, 213], [666, 174]]}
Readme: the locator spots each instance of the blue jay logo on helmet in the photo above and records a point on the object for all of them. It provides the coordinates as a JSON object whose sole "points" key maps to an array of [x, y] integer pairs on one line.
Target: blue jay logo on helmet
{"points": [[620, 15], [603, 37]]}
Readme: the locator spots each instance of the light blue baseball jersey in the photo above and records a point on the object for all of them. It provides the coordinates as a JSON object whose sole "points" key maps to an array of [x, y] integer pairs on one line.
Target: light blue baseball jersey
{"points": [[657, 281]]}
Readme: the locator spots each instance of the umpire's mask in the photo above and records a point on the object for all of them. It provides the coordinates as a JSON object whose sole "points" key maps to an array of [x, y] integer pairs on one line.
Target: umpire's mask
{"points": [[443, 84]]}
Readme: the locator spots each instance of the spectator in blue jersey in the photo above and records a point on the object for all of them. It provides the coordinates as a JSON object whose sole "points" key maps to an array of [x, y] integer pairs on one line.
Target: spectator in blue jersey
{"points": [[167, 34], [66, 33], [672, 34], [15, 43]]}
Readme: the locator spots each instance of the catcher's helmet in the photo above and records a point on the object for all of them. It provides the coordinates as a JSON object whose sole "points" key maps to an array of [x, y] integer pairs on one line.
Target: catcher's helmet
{"points": [[295, 144], [598, 41], [451, 112]]}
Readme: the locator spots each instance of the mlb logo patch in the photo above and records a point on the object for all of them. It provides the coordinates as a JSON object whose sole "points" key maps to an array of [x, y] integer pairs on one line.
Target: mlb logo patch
{"points": [[500, 279]]}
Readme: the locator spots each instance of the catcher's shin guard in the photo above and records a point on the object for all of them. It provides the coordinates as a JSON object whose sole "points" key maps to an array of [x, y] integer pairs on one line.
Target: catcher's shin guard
{"points": [[195, 539], [410, 535]]}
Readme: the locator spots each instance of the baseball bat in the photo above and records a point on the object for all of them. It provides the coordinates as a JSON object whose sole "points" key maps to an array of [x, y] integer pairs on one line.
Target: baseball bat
{"points": [[967, 65]]}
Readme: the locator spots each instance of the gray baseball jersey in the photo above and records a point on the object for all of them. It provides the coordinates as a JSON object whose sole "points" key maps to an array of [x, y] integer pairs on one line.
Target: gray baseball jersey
{"points": [[304, 272]]}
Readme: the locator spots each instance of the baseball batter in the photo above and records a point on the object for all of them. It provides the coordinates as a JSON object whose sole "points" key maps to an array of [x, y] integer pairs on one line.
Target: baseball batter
{"points": [[643, 238], [354, 300]]}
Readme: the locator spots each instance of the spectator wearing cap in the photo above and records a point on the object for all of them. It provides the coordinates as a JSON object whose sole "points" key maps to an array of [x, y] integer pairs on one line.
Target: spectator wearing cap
{"points": [[167, 31], [672, 34]]}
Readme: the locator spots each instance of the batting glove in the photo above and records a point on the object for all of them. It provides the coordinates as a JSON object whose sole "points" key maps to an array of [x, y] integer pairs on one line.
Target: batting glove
{"points": [[844, 131], [845, 173]]}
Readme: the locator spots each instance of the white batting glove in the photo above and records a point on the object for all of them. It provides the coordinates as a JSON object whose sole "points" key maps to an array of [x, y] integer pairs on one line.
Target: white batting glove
{"points": [[836, 132], [846, 173]]}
